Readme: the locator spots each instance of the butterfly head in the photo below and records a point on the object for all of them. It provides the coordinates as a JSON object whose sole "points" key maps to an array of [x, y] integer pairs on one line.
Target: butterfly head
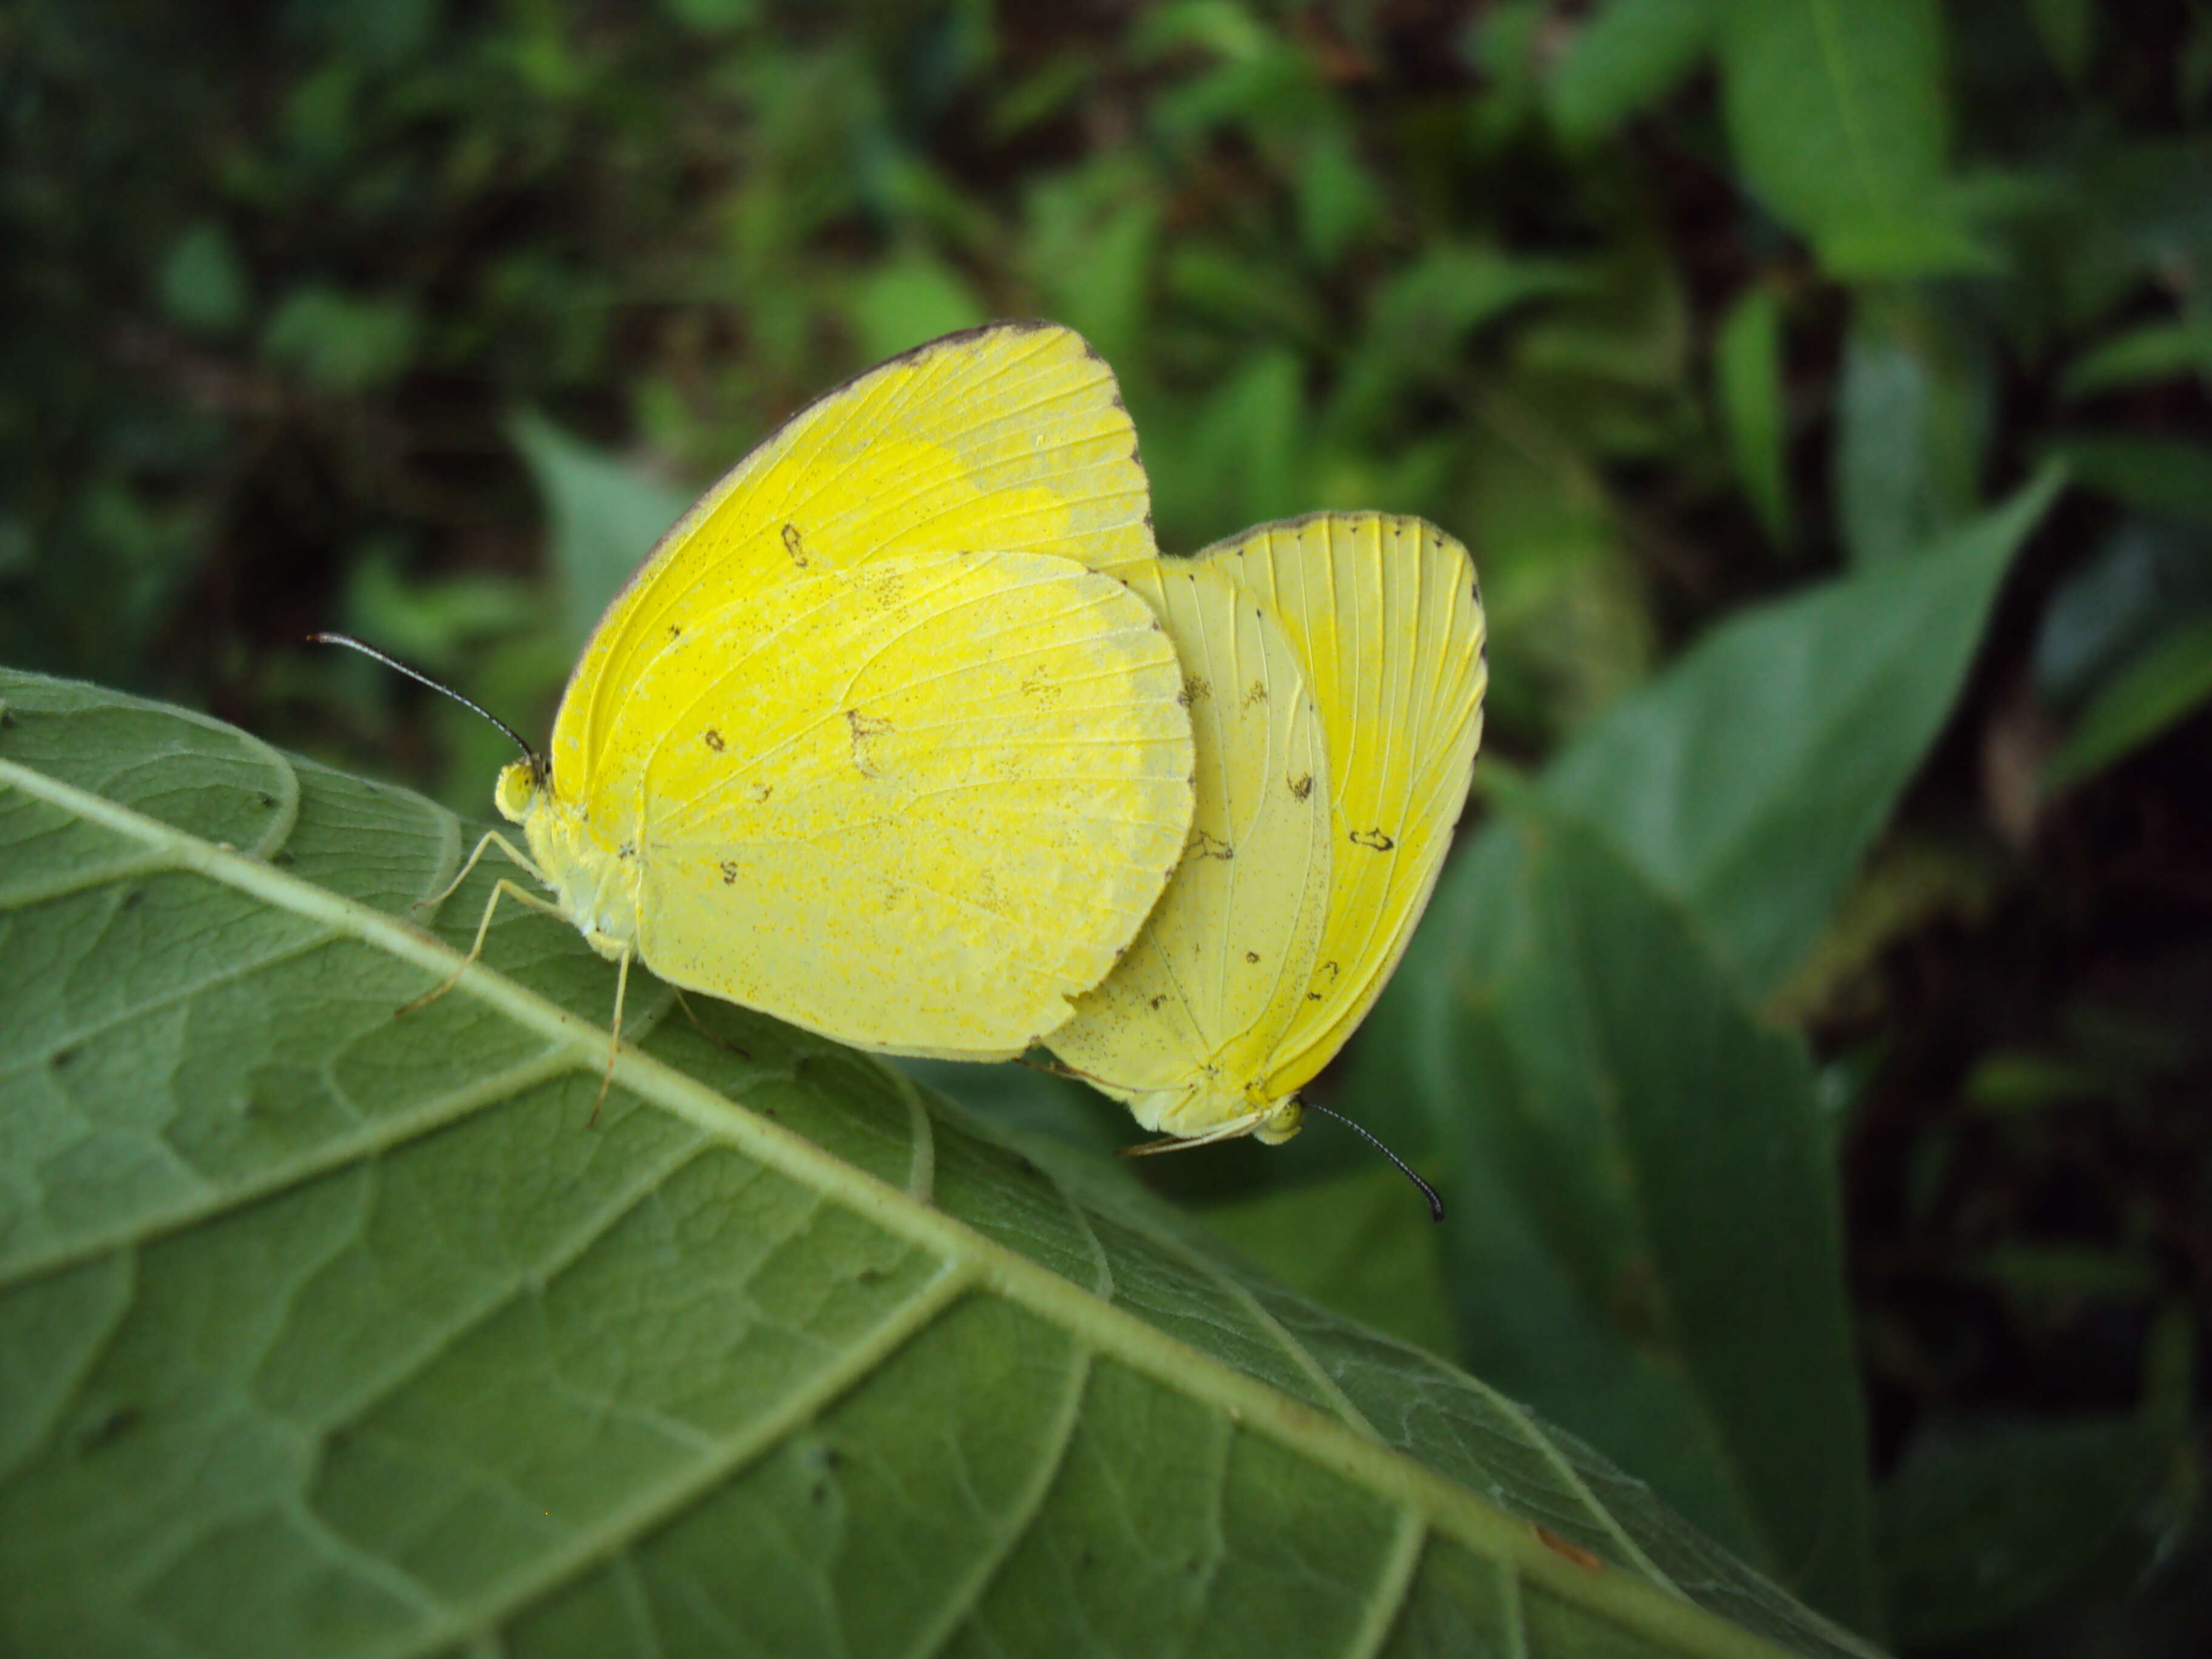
{"points": [[521, 785]]}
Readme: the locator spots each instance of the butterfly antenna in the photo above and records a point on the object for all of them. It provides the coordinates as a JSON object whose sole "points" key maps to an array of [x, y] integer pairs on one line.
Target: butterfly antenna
{"points": [[397, 666], [1436, 1204]]}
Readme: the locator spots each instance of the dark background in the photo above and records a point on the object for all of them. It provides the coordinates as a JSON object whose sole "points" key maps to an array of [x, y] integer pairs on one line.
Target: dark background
{"points": [[420, 318]]}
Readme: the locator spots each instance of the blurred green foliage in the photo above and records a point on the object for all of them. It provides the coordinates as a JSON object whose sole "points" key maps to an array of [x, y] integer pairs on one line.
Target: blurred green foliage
{"points": [[423, 318]]}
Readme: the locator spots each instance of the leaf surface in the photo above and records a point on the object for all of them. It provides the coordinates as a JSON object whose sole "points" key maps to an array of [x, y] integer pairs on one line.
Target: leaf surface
{"points": [[325, 1331], [1836, 113], [1644, 1231], [1748, 779]]}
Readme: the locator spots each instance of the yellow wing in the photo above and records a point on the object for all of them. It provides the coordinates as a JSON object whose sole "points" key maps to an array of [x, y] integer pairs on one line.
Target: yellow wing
{"points": [[1220, 968], [1386, 622], [918, 805], [1010, 438]]}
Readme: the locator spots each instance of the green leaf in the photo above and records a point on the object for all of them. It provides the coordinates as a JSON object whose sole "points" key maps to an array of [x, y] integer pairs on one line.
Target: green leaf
{"points": [[1983, 1523], [2067, 29], [2133, 584], [2168, 477], [330, 1330], [2169, 680], [204, 284], [1748, 779], [1642, 1236], [1912, 423], [1361, 1244], [605, 515], [913, 299], [1624, 58], [2142, 356], [1836, 113], [342, 342], [1747, 375]]}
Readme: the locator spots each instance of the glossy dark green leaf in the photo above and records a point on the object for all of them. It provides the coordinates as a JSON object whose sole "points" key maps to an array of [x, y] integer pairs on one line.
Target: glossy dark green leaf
{"points": [[1643, 1234], [1750, 777], [333, 1331]]}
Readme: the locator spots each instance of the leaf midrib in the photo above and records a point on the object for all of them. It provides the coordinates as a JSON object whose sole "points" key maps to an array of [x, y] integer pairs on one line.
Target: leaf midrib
{"points": [[972, 1258]]}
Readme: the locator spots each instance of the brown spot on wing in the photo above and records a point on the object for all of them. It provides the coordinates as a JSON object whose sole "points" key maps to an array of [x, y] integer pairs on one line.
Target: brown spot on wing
{"points": [[1374, 840], [863, 728], [1301, 786], [712, 738], [729, 873], [1251, 955], [1257, 694], [1204, 845], [794, 546]]}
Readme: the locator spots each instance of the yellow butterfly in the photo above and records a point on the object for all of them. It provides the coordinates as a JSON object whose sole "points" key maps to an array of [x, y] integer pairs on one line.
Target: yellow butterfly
{"points": [[864, 743], [1334, 667]]}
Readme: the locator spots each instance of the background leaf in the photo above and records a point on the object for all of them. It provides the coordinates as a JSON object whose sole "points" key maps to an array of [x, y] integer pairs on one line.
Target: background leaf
{"points": [[606, 514], [1626, 55], [2168, 680], [1643, 1224], [1912, 419], [1747, 374], [1747, 781], [333, 1331], [1839, 121]]}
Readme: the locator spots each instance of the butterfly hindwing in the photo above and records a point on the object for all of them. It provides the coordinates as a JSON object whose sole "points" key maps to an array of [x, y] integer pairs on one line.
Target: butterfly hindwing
{"points": [[1221, 966], [931, 795], [1384, 616]]}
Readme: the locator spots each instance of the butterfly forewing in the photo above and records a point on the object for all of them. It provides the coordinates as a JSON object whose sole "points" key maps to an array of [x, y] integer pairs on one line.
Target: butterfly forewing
{"points": [[1010, 437]]}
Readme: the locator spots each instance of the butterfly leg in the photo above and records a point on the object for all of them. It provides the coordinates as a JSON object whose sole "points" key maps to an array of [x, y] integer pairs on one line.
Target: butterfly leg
{"points": [[502, 887], [614, 1040], [684, 1003], [1229, 1130], [491, 838]]}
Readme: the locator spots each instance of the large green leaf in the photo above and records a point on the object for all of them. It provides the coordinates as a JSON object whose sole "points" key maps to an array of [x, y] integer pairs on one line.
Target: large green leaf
{"points": [[327, 1331], [1644, 1233], [1836, 112], [1748, 779]]}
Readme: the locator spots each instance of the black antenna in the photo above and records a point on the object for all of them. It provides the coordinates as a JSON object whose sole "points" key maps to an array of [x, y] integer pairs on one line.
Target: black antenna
{"points": [[352, 644], [1436, 1204]]}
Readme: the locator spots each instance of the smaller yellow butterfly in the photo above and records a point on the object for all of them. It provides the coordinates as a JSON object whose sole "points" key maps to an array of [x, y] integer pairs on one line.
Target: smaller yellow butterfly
{"points": [[1334, 667]]}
